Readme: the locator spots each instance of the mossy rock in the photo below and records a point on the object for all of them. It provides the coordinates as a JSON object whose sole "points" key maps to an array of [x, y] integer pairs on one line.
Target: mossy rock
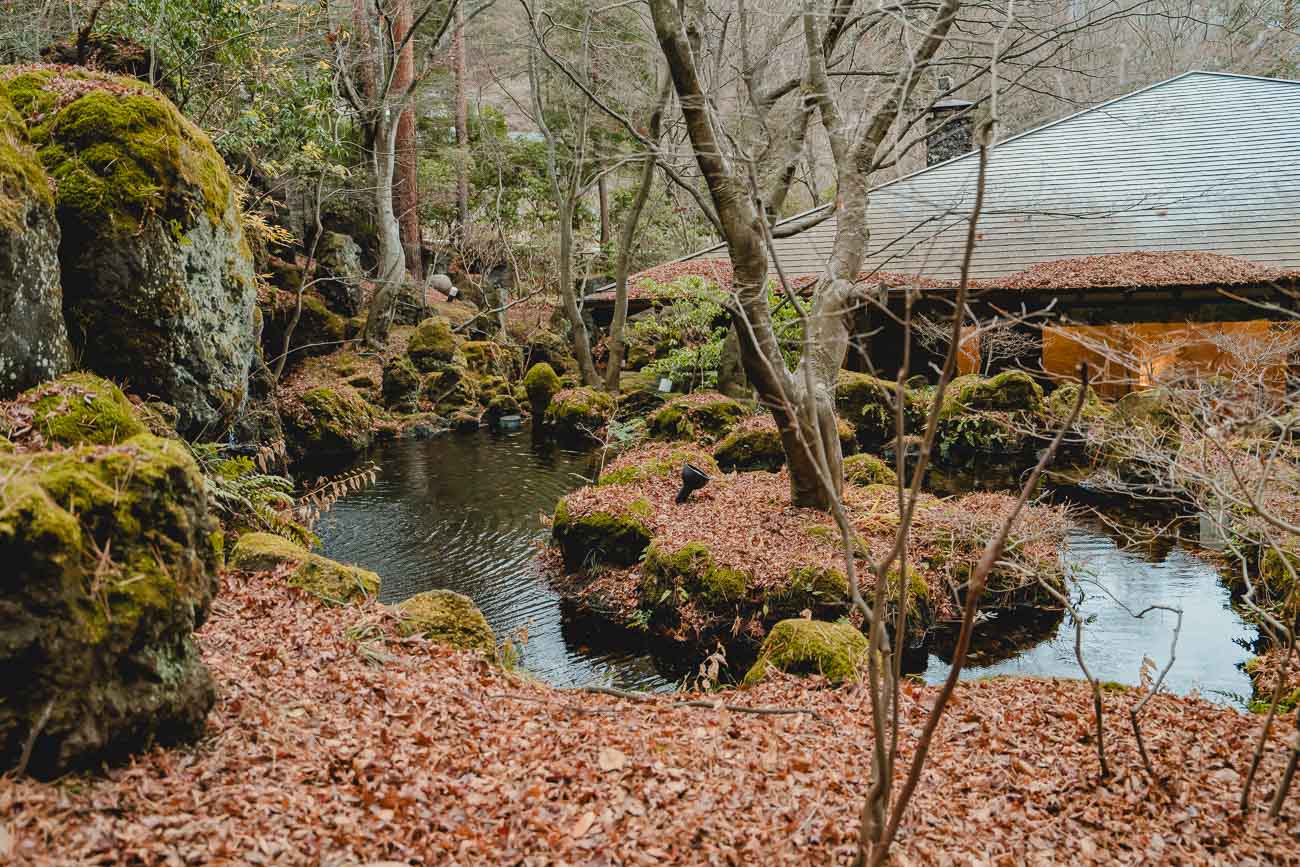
{"points": [[1061, 402], [549, 348], [464, 421], [110, 564], [629, 470], [610, 538], [836, 651], [751, 448], [811, 588], [500, 406], [447, 618], [1150, 408], [401, 385], [159, 417], [329, 421], [451, 390], [319, 331], [488, 358], [157, 278], [867, 403], [327, 580], [82, 408], [671, 577], [541, 384], [699, 416], [865, 469], [577, 414], [491, 385], [432, 343], [1009, 391]]}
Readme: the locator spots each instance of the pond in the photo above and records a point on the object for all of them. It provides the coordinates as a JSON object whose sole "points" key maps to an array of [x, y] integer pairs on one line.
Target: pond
{"points": [[464, 512]]}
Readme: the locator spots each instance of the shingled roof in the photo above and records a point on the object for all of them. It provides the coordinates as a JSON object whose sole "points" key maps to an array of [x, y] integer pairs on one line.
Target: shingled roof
{"points": [[1204, 163]]}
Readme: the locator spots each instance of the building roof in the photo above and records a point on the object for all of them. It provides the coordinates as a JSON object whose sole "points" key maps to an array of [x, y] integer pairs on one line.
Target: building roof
{"points": [[1201, 163]]}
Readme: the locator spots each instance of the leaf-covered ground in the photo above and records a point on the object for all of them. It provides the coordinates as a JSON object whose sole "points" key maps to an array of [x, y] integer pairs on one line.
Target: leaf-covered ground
{"points": [[323, 750]]}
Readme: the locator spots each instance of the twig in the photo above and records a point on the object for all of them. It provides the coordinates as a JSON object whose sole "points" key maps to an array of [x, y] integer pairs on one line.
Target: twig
{"points": [[26, 756]]}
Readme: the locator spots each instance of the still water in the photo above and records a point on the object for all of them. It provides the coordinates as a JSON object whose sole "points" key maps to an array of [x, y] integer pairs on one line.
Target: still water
{"points": [[464, 513]]}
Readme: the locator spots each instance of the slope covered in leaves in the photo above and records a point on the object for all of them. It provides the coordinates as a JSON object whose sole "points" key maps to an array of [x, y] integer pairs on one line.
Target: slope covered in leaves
{"points": [[327, 750]]}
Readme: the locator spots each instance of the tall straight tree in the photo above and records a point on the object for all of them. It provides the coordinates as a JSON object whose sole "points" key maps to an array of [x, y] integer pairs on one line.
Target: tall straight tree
{"points": [[406, 184]]}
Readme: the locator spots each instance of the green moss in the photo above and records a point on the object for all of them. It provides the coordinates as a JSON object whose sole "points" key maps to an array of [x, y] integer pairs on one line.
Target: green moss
{"points": [[432, 343], [335, 583], [337, 420], [669, 577], [699, 416], [486, 357], [82, 408], [22, 178], [119, 152], [659, 467], [753, 448], [836, 651], [1009, 391], [601, 538], [541, 383], [576, 413], [809, 588], [1061, 402], [865, 469], [867, 403], [447, 618]]}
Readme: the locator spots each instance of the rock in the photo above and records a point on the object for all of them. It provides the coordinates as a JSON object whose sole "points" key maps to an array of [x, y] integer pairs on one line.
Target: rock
{"points": [[433, 343], [499, 406], [401, 386], [447, 618], [464, 421], [867, 469], [836, 651], [451, 390], [33, 339], [614, 538], [319, 331], [110, 564], [328, 421], [158, 283], [755, 446], [650, 462], [576, 414], [704, 415], [547, 347], [489, 358], [440, 282], [666, 573], [81, 408], [1061, 402], [327, 580], [541, 384], [867, 403], [1010, 391], [338, 259]]}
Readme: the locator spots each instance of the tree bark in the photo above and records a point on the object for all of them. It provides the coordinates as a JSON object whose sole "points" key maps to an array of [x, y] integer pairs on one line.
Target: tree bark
{"points": [[462, 124], [406, 185], [392, 262]]}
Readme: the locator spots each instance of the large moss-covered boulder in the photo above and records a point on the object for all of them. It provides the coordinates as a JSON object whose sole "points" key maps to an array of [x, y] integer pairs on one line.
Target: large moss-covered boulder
{"points": [[704, 415], [318, 331], [433, 344], [671, 574], [541, 383], [158, 283], [401, 383], [451, 389], [614, 536], [867, 403], [327, 580], [576, 414], [339, 259], [754, 445], [865, 469], [995, 416], [33, 339], [328, 421], [81, 408], [447, 618], [109, 566], [836, 651], [1010, 391]]}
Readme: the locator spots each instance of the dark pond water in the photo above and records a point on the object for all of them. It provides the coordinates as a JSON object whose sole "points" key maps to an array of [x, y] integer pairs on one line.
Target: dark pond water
{"points": [[463, 512]]}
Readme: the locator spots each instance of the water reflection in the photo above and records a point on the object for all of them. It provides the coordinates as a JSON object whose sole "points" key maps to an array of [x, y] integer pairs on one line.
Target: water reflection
{"points": [[464, 513], [1211, 647]]}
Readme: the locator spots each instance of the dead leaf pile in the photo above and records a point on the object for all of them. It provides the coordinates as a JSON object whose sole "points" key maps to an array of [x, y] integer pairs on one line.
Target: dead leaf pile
{"points": [[314, 755]]}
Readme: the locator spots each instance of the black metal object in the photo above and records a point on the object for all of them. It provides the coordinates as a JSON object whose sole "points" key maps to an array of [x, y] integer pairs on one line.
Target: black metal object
{"points": [[693, 478]]}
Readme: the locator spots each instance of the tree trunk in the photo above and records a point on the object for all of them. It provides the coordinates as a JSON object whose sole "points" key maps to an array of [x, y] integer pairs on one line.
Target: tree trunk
{"points": [[569, 297], [602, 196], [731, 369], [462, 124], [406, 186], [392, 263]]}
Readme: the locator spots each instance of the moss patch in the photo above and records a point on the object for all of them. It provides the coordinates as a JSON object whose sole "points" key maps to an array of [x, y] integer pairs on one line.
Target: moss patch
{"points": [[602, 537], [670, 577], [705, 415], [327, 580], [865, 469], [836, 651], [656, 461], [867, 403], [432, 343], [447, 618], [578, 413], [81, 408]]}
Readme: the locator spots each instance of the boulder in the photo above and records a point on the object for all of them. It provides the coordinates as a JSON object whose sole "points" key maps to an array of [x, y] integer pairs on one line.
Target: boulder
{"points": [[319, 330], [110, 564], [577, 414], [615, 537], [542, 384], [755, 444], [327, 580], [33, 339], [447, 618], [325, 421], [81, 408], [158, 282], [499, 406], [865, 470], [836, 651], [704, 415], [867, 403], [338, 259], [432, 344], [401, 386]]}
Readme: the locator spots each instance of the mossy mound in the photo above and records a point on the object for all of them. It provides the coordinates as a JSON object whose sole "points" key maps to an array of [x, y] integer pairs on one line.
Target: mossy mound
{"points": [[319, 330], [867, 403], [670, 577], [451, 389], [447, 618], [576, 414], [865, 469], [835, 651], [500, 406], [488, 358], [1000, 415], [704, 415], [158, 283], [327, 580], [110, 564], [809, 588], [749, 447], [541, 384], [614, 537], [652, 461], [82, 408], [401, 384], [326, 420], [1061, 402], [433, 343], [1009, 391]]}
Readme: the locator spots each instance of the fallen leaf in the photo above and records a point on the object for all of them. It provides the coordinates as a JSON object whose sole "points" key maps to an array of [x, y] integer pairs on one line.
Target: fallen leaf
{"points": [[611, 759]]}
